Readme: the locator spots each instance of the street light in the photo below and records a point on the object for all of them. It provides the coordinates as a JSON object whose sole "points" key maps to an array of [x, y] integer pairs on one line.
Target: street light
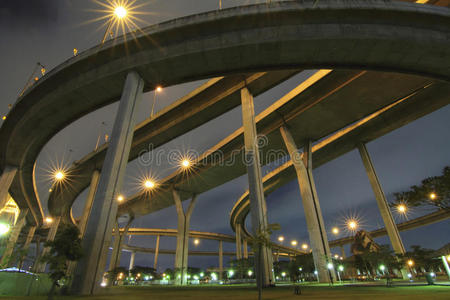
{"points": [[59, 175], [158, 89], [335, 230], [330, 266], [281, 238], [149, 184], [48, 220], [120, 12], [196, 242], [305, 246], [352, 224], [410, 262], [294, 243], [433, 196], [120, 198], [4, 229]]}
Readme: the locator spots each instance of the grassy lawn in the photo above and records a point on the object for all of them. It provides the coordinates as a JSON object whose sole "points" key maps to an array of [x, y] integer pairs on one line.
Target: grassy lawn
{"points": [[246, 292]]}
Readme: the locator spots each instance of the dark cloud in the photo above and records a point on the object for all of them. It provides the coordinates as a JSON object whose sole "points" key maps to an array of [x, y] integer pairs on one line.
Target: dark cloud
{"points": [[27, 12]]}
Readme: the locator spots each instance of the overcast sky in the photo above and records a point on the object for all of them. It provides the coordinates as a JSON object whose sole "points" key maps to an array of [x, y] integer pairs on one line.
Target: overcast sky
{"points": [[47, 31]]}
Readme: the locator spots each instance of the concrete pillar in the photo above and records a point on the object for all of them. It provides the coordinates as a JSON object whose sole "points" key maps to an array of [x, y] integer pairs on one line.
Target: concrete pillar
{"points": [[343, 252], [98, 235], [89, 200], [383, 206], [118, 244], [238, 242], [155, 263], [313, 214], [245, 249], [85, 216], [39, 267], [5, 182], [181, 253], [258, 209], [447, 269], [26, 245], [12, 240], [220, 260], [131, 266]]}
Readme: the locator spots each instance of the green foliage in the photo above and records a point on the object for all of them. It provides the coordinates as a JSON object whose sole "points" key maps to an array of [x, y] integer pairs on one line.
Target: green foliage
{"points": [[113, 275], [422, 258], [64, 248], [419, 195]]}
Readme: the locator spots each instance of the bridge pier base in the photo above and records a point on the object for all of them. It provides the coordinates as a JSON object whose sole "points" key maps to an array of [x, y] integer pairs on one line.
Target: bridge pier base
{"points": [[182, 250], [383, 206], [97, 239], [220, 260], [238, 242], [313, 214], [133, 256], [258, 208], [40, 266]]}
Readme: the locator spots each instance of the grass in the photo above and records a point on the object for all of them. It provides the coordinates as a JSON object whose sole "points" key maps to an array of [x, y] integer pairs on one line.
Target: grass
{"points": [[241, 292]]}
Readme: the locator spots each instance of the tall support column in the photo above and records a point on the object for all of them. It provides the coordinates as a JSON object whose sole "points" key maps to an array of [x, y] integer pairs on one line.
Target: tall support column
{"points": [[447, 269], [238, 242], [89, 200], [98, 235], [155, 263], [313, 214], [220, 260], [133, 256], [5, 182], [181, 254], [245, 249], [86, 212], [40, 265], [258, 209], [118, 245], [10, 245], [391, 227], [343, 252], [26, 245]]}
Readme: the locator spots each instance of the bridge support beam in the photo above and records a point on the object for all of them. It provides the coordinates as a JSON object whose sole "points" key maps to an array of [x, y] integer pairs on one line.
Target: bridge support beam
{"points": [[98, 235], [220, 260], [155, 263], [118, 245], [447, 269], [133, 256], [313, 214], [245, 248], [238, 242], [89, 200], [10, 245], [258, 209], [182, 250], [5, 182], [383, 206], [26, 245], [40, 266]]}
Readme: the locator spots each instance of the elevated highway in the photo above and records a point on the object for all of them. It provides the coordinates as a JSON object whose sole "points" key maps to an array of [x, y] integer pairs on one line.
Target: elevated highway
{"points": [[382, 36]]}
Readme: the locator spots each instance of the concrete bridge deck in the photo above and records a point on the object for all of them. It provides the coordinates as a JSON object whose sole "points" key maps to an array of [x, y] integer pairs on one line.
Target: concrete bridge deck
{"points": [[380, 35]]}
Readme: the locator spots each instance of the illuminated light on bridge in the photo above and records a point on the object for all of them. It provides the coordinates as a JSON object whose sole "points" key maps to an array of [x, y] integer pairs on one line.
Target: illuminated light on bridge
{"points": [[120, 12], [59, 175], [4, 229], [120, 198], [294, 243], [305, 246], [335, 230], [196, 242], [281, 238], [149, 184], [48, 220], [352, 225]]}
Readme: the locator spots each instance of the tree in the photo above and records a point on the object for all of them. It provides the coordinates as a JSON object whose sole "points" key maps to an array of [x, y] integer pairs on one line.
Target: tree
{"points": [[65, 248], [433, 191], [421, 258]]}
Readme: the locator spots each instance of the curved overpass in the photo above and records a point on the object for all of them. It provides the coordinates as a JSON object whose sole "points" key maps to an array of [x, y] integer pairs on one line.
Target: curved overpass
{"points": [[281, 249], [297, 35], [385, 120]]}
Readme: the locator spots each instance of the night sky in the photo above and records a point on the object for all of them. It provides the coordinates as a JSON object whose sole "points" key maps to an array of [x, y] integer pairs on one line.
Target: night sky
{"points": [[47, 31]]}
